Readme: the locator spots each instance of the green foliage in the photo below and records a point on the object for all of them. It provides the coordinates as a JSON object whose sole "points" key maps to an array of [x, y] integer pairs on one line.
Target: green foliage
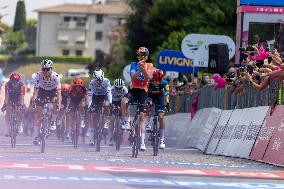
{"points": [[198, 16], [14, 42], [61, 59], [20, 18], [173, 42], [136, 33], [31, 22]]}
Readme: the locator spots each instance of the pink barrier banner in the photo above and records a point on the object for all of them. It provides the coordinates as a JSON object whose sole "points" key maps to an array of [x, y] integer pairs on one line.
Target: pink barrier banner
{"points": [[275, 151], [263, 139]]}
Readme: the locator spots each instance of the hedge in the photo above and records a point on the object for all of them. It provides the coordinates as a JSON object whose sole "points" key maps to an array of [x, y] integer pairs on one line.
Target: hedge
{"points": [[61, 59]]}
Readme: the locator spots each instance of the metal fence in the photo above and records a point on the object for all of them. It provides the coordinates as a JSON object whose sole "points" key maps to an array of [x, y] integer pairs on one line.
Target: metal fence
{"points": [[223, 99]]}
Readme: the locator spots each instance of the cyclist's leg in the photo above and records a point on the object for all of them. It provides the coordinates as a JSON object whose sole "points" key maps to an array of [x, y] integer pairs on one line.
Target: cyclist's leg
{"points": [[143, 110], [7, 120], [106, 107], [125, 119], [161, 113]]}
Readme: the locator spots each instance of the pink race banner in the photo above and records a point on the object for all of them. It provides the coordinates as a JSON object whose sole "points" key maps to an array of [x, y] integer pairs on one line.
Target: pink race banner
{"points": [[266, 133], [261, 9]]}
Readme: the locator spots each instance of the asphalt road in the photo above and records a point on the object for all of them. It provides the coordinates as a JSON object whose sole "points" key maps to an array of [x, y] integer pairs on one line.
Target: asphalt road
{"points": [[63, 167]]}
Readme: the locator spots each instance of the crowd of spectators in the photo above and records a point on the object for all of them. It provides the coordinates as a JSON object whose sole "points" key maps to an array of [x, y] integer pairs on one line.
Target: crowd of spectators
{"points": [[258, 66]]}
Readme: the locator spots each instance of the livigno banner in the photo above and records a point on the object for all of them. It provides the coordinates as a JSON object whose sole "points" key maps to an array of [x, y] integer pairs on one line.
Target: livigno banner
{"points": [[170, 60]]}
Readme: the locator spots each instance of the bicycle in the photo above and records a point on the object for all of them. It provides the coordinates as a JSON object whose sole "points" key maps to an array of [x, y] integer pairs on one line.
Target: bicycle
{"points": [[13, 124], [62, 128], [135, 132], [118, 132], [99, 128], [76, 130], [154, 133], [44, 126]]}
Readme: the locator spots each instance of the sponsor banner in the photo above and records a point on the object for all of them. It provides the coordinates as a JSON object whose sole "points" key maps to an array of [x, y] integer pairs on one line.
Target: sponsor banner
{"points": [[223, 121], [261, 9], [176, 124], [170, 60], [265, 134], [234, 119], [275, 151], [208, 129], [262, 2], [190, 133], [196, 47], [258, 115], [238, 133]]}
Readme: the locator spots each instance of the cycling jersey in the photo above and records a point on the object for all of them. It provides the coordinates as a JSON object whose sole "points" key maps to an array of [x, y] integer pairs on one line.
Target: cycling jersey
{"points": [[101, 88], [47, 83], [14, 91], [162, 88], [117, 95], [140, 82], [78, 92]]}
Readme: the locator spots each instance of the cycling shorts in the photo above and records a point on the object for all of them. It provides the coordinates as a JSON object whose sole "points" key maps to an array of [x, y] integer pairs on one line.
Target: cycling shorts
{"points": [[97, 100], [159, 100], [45, 95], [140, 96]]}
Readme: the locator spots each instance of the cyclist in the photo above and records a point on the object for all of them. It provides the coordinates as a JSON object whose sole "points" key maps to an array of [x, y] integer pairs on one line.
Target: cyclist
{"points": [[101, 96], [158, 92], [140, 73], [119, 91], [14, 93], [78, 97], [65, 88], [47, 87]]}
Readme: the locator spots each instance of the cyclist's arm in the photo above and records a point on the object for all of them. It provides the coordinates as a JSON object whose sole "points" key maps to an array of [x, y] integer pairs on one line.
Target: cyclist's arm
{"points": [[6, 100], [147, 71], [134, 74]]}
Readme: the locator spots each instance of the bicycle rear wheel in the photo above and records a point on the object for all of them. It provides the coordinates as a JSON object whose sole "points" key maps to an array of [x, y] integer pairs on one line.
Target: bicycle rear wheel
{"points": [[118, 133], [136, 140], [76, 132], [155, 138], [43, 135], [13, 132], [99, 134]]}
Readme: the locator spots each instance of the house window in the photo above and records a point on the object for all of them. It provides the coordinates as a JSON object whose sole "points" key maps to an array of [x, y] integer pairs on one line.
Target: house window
{"points": [[99, 35], [67, 18], [78, 52], [65, 52], [99, 18]]}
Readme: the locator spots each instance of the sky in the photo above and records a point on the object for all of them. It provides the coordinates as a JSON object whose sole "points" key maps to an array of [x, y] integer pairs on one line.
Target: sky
{"points": [[9, 12]]}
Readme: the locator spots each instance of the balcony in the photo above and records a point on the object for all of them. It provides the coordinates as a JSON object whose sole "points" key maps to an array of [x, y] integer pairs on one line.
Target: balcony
{"points": [[73, 25]]}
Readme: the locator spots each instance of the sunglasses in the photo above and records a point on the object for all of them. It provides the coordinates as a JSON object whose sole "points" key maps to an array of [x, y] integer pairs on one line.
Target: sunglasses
{"points": [[45, 69]]}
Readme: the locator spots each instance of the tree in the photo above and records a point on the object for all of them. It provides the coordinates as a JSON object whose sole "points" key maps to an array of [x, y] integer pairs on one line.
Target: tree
{"points": [[136, 33], [198, 16], [20, 18], [172, 43]]}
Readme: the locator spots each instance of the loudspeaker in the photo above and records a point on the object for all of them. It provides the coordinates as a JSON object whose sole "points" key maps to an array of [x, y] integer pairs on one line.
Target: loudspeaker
{"points": [[218, 58]]}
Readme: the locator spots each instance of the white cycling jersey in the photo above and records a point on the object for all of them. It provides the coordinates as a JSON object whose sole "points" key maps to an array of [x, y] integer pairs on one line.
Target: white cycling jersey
{"points": [[101, 88], [47, 83], [117, 95]]}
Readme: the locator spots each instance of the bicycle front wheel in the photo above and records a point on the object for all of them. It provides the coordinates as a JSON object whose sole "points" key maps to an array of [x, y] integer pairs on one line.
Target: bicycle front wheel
{"points": [[155, 138], [119, 134]]}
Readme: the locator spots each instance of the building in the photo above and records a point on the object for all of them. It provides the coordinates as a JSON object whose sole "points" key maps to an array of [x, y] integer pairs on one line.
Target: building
{"points": [[79, 29]]}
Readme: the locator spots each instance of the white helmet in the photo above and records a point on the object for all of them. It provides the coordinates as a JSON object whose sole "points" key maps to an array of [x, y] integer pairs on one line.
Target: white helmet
{"points": [[98, 74], [119, 83], [46, 63]]}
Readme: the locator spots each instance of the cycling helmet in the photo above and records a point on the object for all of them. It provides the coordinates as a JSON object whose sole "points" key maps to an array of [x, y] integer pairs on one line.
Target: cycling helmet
{"points": [[119, 83], [158, 74], [15, 77], [46, 63], [98, 74], [65, 87], [143, 50], [78, 81]]}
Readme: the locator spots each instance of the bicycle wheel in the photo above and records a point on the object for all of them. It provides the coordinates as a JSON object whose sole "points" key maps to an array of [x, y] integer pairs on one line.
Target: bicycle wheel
{"points": [[99, 133], [76, 132], [43, 134], [13, 131], [155, 137], [136, 140], [118, 133]]}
